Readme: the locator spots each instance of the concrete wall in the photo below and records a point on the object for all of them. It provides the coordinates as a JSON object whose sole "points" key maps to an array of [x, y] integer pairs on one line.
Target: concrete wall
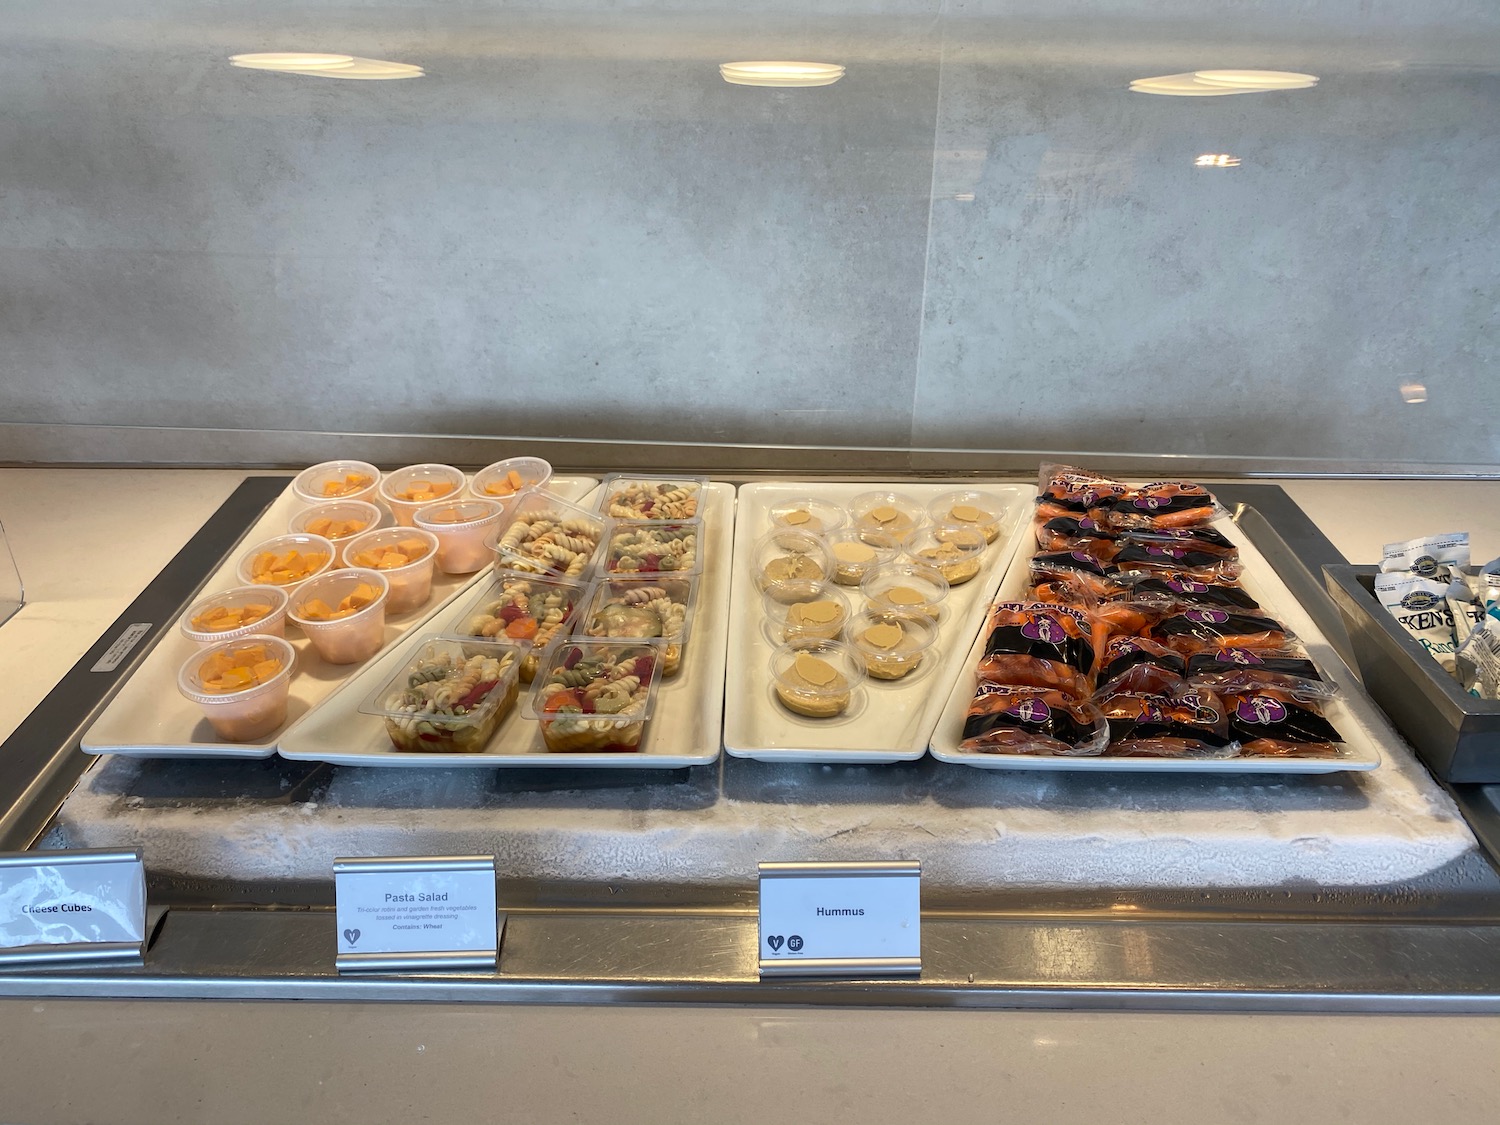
{"points": [[572, 228]]}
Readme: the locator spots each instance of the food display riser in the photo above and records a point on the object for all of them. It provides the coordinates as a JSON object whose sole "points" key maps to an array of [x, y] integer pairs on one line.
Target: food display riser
{"points": [[1400, 944]]}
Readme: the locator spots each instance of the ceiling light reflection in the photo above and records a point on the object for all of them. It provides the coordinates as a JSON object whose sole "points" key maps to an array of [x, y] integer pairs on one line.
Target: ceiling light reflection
{"points": [[1413, 393], [1216, 160], [1219, 83], [789, 74], [326, 65]]}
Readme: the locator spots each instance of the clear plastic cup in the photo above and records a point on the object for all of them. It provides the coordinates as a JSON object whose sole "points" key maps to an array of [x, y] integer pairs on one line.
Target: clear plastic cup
{"points": [[416, 486], [263, 666], [235, 613], [892, 645], [966, 507], [462, 527], [405, 555], [885, 514], [338, 521], [286, 561], [957, 553], [855, 554], [808, 514], [337, 480], [507, 478], [818, 613], [784, 563], [816, 679], [349, 635], [906, 588]]}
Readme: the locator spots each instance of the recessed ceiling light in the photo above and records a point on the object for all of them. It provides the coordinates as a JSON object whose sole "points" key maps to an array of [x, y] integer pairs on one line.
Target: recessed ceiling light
{"points": [[781, 73], [1219, 83], [326, 65]]}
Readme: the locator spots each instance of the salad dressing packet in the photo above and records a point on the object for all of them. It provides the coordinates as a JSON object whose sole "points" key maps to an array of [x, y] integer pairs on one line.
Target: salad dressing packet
{"points": [[1433, 556], [1420, 606]]}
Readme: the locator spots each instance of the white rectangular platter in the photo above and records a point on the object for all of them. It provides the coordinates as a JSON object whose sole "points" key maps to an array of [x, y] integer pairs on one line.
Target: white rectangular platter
{"points": [[1351, 712], [147, 718], [684, 730], [886, 721]]}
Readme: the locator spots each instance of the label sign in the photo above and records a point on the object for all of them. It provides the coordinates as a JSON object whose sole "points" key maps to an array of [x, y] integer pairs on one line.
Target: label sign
{"points": [[72, 906], [845, 919], [122, 647], [416, 912]]}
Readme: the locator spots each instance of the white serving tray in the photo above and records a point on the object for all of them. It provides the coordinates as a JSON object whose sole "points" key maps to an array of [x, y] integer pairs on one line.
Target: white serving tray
{"points": [[148, 718], [1351, 712], [886, 722], [684, 730]]}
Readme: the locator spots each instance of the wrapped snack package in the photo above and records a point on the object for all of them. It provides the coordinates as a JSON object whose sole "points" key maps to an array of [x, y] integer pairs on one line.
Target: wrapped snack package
{"points": [[1198, 630], [450, 697], [1039, 645], [1242, 669], [1478, 660], [1141, 665], [1436, 557], [1004, 719], [1199, 538], [1164, 504], [1175, 586], [1068, 533], [1137, 555], [1183, 723], [1271, 722], [1080, 569], [1420, 606], [1065, 490]]}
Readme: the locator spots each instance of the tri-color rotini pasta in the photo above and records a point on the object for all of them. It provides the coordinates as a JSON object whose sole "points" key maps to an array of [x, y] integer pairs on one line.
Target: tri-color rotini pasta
{"points": [[449, 701], [648, 498], [593, 696]]}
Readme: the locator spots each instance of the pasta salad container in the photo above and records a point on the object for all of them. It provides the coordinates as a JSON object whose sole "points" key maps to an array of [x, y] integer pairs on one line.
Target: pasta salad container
{"points": [[627, 497], [660, 607], [652, 547], [596, 696], [547, 535], [451, 696], [523, 608]]}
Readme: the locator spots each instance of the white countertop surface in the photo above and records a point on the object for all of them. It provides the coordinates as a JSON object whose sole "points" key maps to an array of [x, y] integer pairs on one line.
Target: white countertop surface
{"points": [[88, 540]]}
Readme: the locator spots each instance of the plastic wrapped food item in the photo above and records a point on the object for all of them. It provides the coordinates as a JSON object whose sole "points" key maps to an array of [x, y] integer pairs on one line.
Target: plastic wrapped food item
{"points": [[337, 480], [524, 608], [1140, 555], [816, 679], [1173, 586], [892, 645], [1123, 619], [886, 515], [416, 486], [1271, 722], [1005, 719], [643, 608], [1164, 504], [506, 478], [652, 498], [1141, 665], [1039, 645], [1070, 533], [1064, 490], [652, 547], [1436, 557], [1231, 668], [1420, 606], [1200, 538], [957, 553], [1180, 723], [968, 508], [450, 697], [286, 561], [1207, 628], [789, 563], [808, 514], [549, 536], [236, 613], [1078, 569], [242, 685], [594, 696], [906, 588]]}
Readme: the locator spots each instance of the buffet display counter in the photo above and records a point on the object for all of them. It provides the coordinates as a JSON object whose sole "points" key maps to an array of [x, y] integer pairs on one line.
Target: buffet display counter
{"points": [[1338, 891]]}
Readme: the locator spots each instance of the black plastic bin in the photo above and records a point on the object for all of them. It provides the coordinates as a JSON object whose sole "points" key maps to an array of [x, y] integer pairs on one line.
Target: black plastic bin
{"points": [[1457, 735]]}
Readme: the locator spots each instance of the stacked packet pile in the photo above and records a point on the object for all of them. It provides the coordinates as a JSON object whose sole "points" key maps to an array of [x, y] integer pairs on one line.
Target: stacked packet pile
{"points": [[1450, 607], [1136, 638]]}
